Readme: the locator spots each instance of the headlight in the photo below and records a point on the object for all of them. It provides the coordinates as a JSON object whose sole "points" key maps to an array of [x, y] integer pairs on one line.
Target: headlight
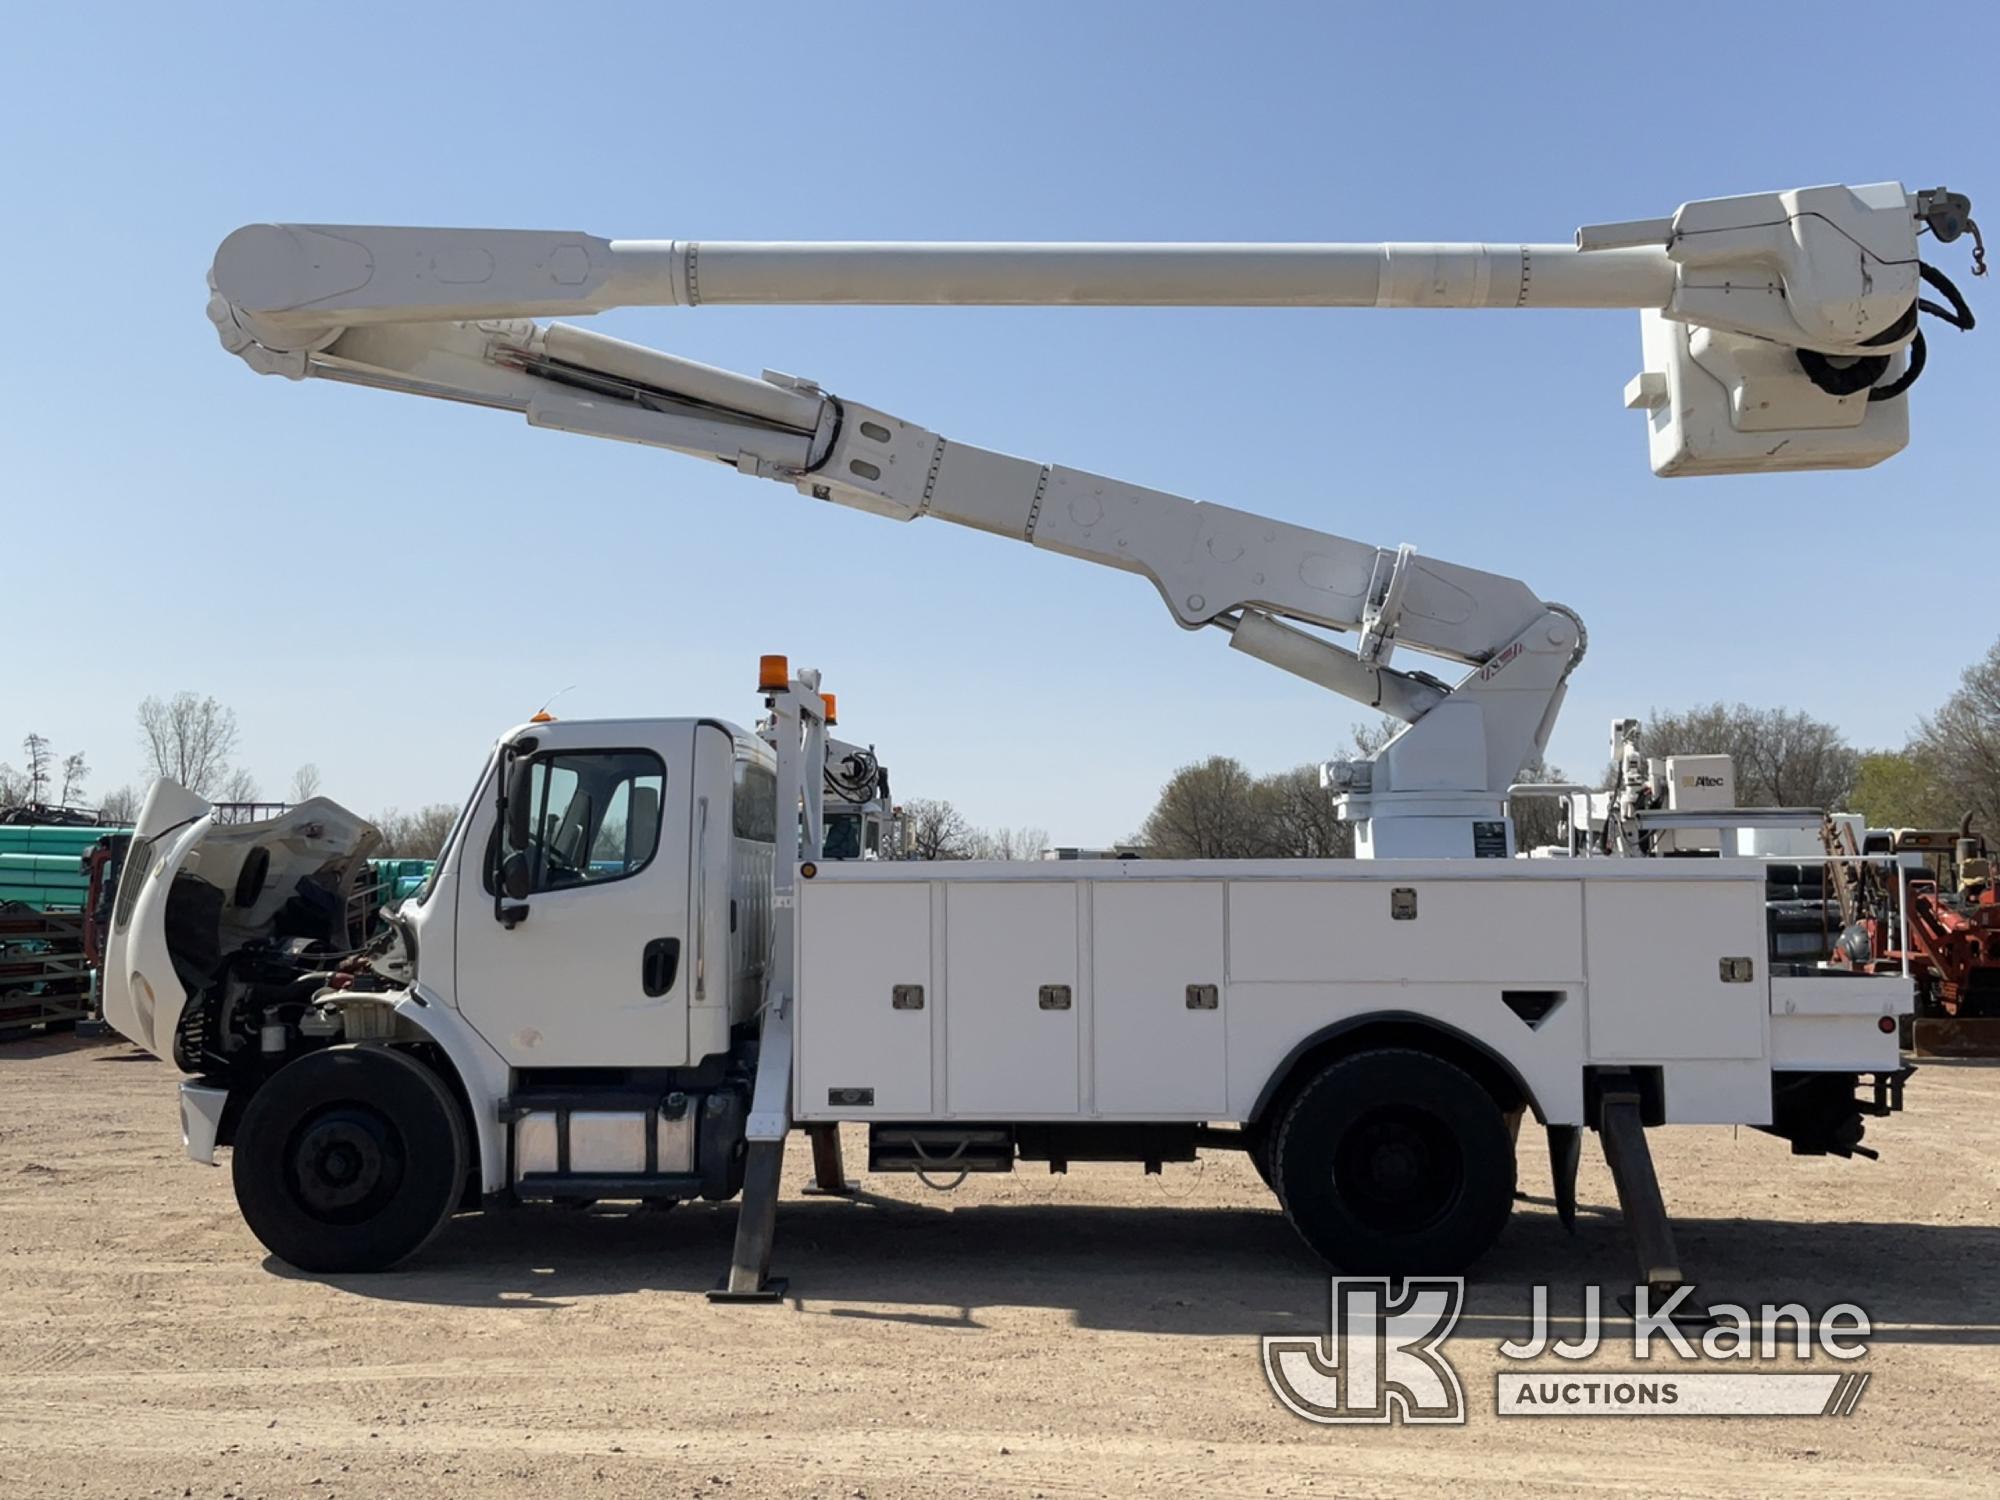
{"points": [[143, 1003]]}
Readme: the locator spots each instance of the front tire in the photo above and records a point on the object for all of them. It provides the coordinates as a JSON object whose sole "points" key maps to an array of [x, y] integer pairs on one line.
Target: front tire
{"points": [[1395, 1162], [350, 1159]]}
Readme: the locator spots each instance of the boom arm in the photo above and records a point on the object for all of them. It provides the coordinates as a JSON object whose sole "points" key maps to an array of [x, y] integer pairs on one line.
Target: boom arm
{"points": [[448, 313]]}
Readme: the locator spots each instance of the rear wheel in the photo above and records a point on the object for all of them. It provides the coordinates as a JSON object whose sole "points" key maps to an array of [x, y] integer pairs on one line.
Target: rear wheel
{"points": [[350, 1159], [1394, 1161], [1260, 1158]]}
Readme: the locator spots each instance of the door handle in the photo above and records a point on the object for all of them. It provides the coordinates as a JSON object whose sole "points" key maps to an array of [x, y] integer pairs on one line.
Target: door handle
{"points": [[658, 963]]}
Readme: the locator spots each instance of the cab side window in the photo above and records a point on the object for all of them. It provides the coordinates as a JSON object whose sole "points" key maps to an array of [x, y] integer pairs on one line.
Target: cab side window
{"points": [[594, 816], [753, 811]]}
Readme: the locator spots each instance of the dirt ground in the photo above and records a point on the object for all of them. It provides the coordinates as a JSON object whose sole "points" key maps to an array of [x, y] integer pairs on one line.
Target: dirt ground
{"points": [[1094, 1334]]}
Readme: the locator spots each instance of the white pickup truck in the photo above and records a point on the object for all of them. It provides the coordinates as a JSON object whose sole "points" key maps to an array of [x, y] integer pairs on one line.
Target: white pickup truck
{"points": [[621, 982]]}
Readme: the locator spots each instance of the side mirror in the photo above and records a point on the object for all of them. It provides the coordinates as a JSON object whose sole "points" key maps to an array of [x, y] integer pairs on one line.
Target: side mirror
{"points": [[514, 874], [520, 808]]}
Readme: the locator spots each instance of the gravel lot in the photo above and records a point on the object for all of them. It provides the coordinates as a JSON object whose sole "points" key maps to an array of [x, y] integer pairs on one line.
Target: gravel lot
{"points": [[1094, 1334]]}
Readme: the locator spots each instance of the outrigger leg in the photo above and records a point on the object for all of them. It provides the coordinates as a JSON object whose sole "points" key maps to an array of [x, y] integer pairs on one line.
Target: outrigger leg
{"points": [[1621, 1127], [830, 1179], [799, 718], [749, 1278]]}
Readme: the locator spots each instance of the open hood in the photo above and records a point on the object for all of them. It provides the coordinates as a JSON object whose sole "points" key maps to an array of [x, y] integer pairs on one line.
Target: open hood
{"points": [[197, 891]]}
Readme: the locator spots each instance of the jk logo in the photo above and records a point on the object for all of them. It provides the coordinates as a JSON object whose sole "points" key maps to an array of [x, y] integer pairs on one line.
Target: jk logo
{"points": [[1381, 1360]]}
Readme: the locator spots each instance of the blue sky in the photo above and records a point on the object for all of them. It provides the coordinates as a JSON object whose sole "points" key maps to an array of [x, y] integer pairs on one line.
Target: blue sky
{"points": [[379, 584]]}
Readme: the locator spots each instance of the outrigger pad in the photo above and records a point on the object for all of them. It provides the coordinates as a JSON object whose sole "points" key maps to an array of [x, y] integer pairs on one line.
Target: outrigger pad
{"points": [[749, 1277], [773, 1290], [1686, 1316]]}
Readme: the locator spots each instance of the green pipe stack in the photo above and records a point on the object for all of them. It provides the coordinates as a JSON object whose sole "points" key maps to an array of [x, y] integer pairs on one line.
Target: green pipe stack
{"points": [[42, 866]]}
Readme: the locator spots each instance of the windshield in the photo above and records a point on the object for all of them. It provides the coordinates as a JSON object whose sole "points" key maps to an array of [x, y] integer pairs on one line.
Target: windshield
{"points": [[423, 892]]}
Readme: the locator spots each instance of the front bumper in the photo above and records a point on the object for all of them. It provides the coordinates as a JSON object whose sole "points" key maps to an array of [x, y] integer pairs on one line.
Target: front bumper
{"points": [[201, 1120]]}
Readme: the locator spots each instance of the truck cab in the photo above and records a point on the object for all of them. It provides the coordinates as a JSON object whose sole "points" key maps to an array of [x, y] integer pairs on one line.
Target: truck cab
{"points": [[645, 842], [612, 933]]}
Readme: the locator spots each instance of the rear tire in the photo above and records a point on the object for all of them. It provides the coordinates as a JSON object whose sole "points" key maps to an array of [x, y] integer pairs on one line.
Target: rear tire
{"points": [[1260, 1157], [1395, 1162], [350, 1159]]}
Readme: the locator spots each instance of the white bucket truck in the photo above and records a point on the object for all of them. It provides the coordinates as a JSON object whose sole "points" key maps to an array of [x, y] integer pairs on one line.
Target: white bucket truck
{"points": [[585, 1001], [629, 979]]}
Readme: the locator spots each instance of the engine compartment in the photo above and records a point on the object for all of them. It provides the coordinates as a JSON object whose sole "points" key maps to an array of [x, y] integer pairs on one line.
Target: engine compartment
{"points": [[263, 921]]}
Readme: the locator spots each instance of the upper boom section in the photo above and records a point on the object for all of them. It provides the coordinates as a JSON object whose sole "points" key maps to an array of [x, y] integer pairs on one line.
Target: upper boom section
{"points": [[1828, 268], [1780, 329], [304, 276]]}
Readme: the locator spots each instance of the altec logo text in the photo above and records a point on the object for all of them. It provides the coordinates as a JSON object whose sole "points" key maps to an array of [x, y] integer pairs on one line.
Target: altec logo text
{"points": [[1383, 1359]]}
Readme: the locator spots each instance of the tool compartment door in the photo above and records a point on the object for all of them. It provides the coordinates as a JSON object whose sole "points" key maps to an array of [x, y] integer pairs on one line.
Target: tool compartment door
{"points": [[857, 943], [1011, 1048], [1157, 1049], [1658, 990]]}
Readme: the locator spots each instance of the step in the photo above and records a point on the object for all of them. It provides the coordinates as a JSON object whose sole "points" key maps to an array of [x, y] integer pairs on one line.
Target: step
{"points": [[940, 1148]]}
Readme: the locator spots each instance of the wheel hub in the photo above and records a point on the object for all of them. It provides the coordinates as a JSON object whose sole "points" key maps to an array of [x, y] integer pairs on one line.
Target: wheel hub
{"points": [[344, 1163], [1399, 1169]]}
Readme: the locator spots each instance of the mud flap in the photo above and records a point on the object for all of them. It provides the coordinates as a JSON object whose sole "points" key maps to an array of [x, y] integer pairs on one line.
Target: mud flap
{"points": [[1565, 1156]]}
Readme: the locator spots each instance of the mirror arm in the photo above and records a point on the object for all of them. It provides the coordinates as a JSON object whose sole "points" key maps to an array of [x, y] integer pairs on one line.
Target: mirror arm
{"points": [[503, 812], [504, 773]]}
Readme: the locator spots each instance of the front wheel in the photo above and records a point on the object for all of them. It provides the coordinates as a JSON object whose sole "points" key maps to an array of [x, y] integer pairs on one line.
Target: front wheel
{"points": [[1393, 1161], [350, 1159]]}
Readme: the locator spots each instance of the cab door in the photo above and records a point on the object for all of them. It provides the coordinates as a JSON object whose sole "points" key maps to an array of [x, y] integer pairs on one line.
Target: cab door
{"points": [[590, 967]]}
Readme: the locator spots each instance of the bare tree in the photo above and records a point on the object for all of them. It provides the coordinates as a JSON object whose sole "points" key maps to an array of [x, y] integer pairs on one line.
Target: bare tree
{"points": [[937, 830], [1008, 843], [240, 786], [415, 835], [1215, 809], [188, 740], [75, 771], [1208, 810], [1368, 738], [13, 786], [1960, 745], [1298, 817], [1537, 820], [120, 807], [1783, 758], [36, 748], [305, 783]]}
